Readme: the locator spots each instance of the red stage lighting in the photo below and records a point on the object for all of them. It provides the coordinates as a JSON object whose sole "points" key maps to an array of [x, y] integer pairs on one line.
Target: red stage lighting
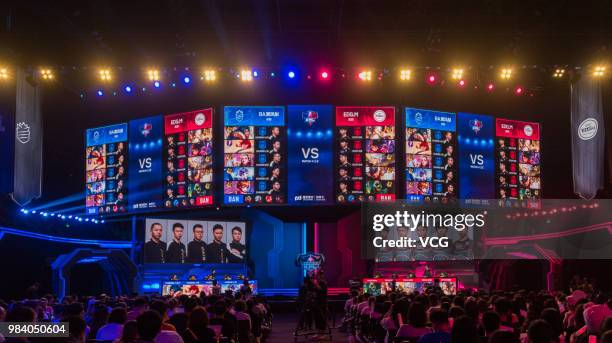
{"points": [[518, 90], [431, 79], [324, 75], [461, 83], [490, 87]]}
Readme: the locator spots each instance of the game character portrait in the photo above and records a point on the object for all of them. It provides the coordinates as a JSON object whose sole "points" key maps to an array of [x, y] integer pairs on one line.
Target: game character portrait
{"points": [[239, 145], [155, 248]]}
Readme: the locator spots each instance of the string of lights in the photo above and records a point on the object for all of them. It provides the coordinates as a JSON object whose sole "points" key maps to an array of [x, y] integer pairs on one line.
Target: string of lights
{"points": [[46, 214]]}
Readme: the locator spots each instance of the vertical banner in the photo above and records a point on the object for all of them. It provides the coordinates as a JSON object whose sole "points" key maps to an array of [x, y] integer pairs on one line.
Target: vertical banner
{"points": [[106, 171], [28, 142], [7, 148], [476, 156], [588, 137], [255, 162], [517, 162], [309, 148], [145, 164], [431, 156]]}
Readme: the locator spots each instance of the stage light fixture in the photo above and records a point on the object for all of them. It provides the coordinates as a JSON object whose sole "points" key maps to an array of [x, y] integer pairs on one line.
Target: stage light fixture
{"points": [[46, 74], [405, 74], [518, 90], [559, 73], [291, 74], [246, 75], [490, 87], [506, 73], [599, 71], [105, 75], [4, 73], [156, 84], [128, 89], [324, 75], [100, 92], [365, 75], [457, 74], [186, 80], [461, 83], [209, 75], [432, 79], [153, 74]]}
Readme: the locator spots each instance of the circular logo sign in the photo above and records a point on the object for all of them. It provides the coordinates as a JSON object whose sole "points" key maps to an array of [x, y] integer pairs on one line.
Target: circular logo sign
{"points": [[528, 130], [200, 118], [380, 116], [587, 129]]}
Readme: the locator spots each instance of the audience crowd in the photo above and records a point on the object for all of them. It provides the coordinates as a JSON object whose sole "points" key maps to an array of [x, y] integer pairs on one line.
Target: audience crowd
{"points": [[230, 317], [581, 315]]}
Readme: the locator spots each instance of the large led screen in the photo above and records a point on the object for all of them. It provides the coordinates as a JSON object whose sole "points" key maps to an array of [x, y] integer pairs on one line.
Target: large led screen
{"points": [[255, 161], [364, 154], [106, 170]]}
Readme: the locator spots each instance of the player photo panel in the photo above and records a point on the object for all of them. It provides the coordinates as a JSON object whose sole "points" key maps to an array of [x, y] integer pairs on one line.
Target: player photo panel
{"points": [[236, 242]]}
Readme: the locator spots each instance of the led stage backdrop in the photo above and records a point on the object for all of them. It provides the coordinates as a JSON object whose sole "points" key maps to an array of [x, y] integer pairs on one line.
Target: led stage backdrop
{"points": [[431, 156], [517, 162], [476, 156], [310, 156], [188, 155], [364, 154], [255, 161], [106, 169]]}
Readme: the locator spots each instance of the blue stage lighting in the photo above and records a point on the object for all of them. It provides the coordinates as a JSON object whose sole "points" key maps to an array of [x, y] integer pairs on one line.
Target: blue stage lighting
{"points": [[128, 89], [255, 73], [80, 219], [33, 211], [291, 74], [102, 221], [187, 79], [156, 84], [70, 216], [100, 92]]}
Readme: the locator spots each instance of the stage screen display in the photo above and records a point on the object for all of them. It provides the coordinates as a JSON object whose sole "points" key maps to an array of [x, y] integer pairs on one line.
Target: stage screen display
{"points": [[378, 286], [188, 152], [431, 156], [194, 241], [364, 154], [476, 156], [145, 164], [106, 170], [517, 162], [178, 288], [310, 155], [255, 162]]}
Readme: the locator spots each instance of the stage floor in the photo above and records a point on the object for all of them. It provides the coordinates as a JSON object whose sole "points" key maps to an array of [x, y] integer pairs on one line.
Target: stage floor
{"points": [[284, 325]]}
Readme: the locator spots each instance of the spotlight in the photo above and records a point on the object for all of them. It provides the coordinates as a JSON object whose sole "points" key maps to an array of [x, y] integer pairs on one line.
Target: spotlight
{"points": [[186, 80], [209, 75], [46, 74], [599, 71], [100, 92], [102, 221], [405, 74], [156, 84], [128, 89], [4, 73], [490, 87], [33, 211], [518, 90], [431, 79], [324, 75], [559, 73], [365, 75], [105, 75], [291, 74], [246, 75], [457, 73], [461, 83], [153, 74], [255, 73], [505, 73]]}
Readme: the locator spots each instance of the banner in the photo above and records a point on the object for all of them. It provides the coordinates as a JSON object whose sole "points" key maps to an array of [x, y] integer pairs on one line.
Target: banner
{"points": [[310, 155], [145, 163], [476, 156], [7, 148], [28, 142], [588, 137]]}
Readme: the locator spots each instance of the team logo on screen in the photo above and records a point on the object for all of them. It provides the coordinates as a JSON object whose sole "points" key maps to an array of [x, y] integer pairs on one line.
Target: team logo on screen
{"points": [[528, 130], [200, 118], [146, 128], [380, 116], [418, 117], [476, 125], [23, 132], [239, 115], [310, 117]]}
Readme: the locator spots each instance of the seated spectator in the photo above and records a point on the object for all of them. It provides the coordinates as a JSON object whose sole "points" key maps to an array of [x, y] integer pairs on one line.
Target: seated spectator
{"points": [[162, 308], [140, 306], [114, 328], [464, 330], [439, 321], [240, 312], [490, 324], [99, 318], [197, 328], [76, 329], [594, 315], [149, 326], [130, 332], [501, 336], [540, 332], [221, 317], [417, 321]]}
